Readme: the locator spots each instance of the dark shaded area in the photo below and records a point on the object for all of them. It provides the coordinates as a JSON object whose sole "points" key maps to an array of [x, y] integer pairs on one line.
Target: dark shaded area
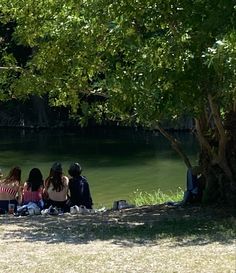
{"points": [[143, 225], [108, 145], [33, 113], [20, 52]]}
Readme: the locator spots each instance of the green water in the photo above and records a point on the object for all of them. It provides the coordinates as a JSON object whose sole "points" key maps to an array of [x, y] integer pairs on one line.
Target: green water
{"points": [[116, 161]]}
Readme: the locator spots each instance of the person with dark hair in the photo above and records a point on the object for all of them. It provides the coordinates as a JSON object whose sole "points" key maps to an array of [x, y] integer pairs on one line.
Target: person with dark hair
{"points": [[79, 187], [33, 188], [56, 188], [10, 190]]}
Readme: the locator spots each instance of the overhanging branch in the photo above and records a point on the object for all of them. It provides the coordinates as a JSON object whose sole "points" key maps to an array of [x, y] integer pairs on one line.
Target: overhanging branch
{"points": [[175, 145]]}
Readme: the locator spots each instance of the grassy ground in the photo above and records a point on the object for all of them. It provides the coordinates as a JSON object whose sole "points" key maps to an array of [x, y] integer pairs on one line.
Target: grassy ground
{"points": [[140, 198], [144, 239]]}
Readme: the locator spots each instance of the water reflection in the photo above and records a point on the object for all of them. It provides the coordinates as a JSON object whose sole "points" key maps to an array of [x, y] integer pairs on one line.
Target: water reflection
{"points": [[116, 161]]}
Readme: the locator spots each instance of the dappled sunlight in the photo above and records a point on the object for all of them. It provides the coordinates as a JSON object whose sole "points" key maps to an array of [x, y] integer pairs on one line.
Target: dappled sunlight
{"points": [[143, 225]]}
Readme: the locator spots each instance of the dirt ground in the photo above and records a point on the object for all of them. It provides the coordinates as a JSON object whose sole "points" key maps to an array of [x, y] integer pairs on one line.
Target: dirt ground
{"points": [[146, 239]]}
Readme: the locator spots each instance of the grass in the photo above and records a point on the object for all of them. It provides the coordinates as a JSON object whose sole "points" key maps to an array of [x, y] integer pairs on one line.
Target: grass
{"points": [[140, 198]]}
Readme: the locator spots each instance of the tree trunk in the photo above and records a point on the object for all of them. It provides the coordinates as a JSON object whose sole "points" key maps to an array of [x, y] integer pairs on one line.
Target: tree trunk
{"points": [[218, 155]]}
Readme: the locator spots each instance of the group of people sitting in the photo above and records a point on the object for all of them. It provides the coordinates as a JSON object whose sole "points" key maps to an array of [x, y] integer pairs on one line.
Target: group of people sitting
{"points": [[57, 190]]}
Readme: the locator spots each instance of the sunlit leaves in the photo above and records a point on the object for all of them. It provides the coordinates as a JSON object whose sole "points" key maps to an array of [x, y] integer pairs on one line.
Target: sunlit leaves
{"points": [[147, 59]]}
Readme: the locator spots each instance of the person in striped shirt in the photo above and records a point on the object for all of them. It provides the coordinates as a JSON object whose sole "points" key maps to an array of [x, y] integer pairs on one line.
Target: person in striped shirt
{"points": [[10, 190]]}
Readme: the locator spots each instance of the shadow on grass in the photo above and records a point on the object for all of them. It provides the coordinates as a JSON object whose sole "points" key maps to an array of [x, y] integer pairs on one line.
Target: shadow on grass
{"points": [[142, 226]]}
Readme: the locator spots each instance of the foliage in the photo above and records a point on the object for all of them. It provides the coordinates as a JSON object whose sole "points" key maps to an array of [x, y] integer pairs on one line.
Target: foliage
{"points": [[153, 59], [140, 198]]}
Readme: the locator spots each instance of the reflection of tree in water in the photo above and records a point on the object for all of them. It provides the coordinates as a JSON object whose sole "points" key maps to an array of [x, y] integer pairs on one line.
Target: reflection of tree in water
{"points": [[39, 107], [111, 142]]}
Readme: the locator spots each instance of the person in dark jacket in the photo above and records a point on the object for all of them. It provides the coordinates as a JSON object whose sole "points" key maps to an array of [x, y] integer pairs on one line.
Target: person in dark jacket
{"points": [[79, 187], [195, 186]]}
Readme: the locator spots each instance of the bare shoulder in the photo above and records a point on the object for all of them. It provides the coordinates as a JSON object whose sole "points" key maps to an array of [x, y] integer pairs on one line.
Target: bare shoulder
{"points": [[65, 179]]}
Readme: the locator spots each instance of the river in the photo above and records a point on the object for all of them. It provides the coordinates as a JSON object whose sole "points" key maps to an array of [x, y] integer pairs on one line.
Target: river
{"points": [[116, 161]]}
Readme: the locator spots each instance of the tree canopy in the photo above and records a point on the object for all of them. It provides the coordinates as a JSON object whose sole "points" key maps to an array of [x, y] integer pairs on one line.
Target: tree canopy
{"points": [[153, 59]]}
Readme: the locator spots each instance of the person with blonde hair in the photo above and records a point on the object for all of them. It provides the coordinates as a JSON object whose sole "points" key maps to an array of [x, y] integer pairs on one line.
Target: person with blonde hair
{"points": [[10, 189]]}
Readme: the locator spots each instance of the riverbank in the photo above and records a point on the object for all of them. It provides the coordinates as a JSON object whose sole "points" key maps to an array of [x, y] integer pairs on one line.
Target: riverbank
{"points": [[144, 239]]}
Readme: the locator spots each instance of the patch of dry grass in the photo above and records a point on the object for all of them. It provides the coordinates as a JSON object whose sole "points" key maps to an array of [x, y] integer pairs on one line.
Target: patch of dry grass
{"points": [[147, 239]]}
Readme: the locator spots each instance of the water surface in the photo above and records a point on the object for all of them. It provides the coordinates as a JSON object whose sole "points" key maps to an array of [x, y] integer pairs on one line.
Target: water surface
{"points": [[116, 161]]}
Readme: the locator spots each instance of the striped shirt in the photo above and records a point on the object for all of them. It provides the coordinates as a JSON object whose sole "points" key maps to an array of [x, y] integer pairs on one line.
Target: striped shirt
{"points": [[8, 190]]}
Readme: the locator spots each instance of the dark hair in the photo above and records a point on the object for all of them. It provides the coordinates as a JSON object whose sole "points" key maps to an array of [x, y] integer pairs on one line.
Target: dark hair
{"points": [[55, 177], [35, 179], [75, 170], [14, 175]]}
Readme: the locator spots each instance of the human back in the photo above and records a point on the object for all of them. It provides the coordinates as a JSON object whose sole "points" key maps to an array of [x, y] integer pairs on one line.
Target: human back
{"points": [[10, 190], [56, 187], [9, 186], [33, 188], [79, 188]]}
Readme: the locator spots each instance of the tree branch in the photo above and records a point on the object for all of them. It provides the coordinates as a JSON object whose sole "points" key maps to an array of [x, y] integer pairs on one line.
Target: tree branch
{"points": [[216, 117], [175, 145], [10, 67], [221, 160], [202, 140]]}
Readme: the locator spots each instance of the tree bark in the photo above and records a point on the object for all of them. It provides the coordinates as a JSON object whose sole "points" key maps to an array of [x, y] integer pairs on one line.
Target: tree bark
{"points": [[201, 138], [221, 158]]}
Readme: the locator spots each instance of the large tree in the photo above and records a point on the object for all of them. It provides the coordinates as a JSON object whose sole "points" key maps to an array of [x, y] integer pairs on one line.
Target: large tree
{"points": [[148, 61]]}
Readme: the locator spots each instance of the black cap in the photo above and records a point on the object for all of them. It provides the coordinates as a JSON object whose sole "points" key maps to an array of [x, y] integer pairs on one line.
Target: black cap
{"points": [[56, 167], [75, 169]]}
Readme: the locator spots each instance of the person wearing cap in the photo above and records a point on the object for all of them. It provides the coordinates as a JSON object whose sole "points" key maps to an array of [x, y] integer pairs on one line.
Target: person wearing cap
{"points": [[56, 188], [79, 188]]}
